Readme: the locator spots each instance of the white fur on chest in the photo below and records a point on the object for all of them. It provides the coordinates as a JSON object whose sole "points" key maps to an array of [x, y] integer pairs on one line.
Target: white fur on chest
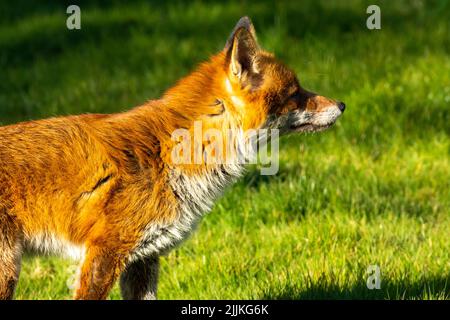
{"points": [[49, 243], [196, 196]]}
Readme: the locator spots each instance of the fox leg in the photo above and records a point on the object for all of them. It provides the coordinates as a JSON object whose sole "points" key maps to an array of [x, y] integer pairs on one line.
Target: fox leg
{"points": [[139, 281], [11, 244], [99, 271]]}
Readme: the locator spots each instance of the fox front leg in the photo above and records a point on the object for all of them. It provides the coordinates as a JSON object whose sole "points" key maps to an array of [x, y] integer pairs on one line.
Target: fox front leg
{"points": [[99, 272], [10, 255], [139, 280]]}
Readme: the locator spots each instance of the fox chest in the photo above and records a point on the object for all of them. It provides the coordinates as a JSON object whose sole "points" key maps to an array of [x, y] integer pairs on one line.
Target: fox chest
{"points": [[196, 195]]}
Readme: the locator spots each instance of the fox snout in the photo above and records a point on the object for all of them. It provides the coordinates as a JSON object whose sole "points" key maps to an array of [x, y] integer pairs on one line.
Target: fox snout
{"points": [[317, 103], [313, 112]]}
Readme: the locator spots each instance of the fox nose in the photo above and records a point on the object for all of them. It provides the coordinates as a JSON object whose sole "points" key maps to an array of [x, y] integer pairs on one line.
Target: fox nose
{"points": [[341, 106]]}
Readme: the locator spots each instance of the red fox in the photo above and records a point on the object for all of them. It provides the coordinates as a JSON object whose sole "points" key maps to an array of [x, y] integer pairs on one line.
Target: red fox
{"points": [[104, 188]]}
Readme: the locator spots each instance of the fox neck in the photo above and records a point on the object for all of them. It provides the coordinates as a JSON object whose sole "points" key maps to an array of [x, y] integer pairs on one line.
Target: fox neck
{"points": [[203, 101]]}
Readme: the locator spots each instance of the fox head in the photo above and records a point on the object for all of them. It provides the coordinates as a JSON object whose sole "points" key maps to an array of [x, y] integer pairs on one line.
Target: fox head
{"points": [[247, 88], [258, 81]]}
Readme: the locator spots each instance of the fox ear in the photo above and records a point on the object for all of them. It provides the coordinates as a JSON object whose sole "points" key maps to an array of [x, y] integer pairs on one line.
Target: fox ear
{"points": [[244, 23], [242, 49]]}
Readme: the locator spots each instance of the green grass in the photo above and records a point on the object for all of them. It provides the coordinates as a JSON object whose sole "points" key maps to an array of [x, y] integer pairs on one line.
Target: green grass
{"points": [[372, 190]]}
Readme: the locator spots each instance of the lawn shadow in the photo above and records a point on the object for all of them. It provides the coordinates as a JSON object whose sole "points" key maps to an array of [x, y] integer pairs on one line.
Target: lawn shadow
{"points": [[426, 288], [49, 38]]}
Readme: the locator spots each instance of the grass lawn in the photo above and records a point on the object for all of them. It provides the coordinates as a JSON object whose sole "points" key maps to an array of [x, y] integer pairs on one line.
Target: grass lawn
{"points": [[373, 190]]}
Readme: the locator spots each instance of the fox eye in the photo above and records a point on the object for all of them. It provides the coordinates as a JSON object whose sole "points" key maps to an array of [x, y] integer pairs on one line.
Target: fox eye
{"points": [[292, 99], [295, 95]]}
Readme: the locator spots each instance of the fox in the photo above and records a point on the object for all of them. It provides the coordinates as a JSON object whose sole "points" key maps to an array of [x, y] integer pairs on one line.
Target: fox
{"points": [[104, 189]]}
